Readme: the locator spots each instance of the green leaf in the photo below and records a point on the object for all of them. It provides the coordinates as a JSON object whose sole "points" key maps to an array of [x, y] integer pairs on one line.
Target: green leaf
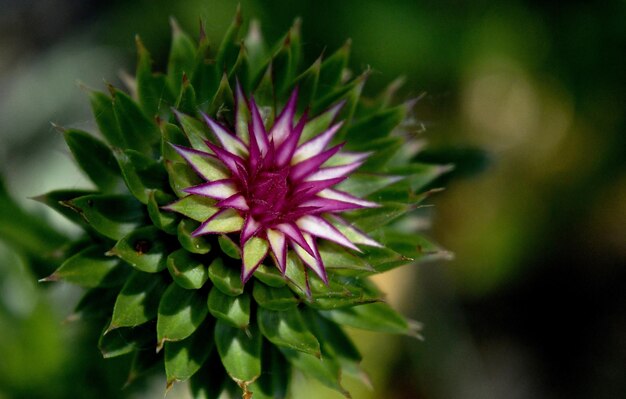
{"points": [[181, 176], [94, 158], [287, 329], [307, 85], [204, 77], [139, 132], [97, 303], [182, 57], [172, 134], [186, 270], [113, 216], [210, 380], [196, 131], [187, 99], [274, 298], [335, 257], [143, 362], [154, 94], [364, 184], [181, 312], [337, 343], [296, 276], [229, 48], [225, 278], [350, 93], [195, 207], [332, 68], [254, 250], [196, 245], [229, 247], [124, 340], [223, 101], [378, 125], [166, 221], [265, 97], [373, 316], [274, 381], [102, 109], [372, 219], [320, 123], [138, 302], [56, 199], [234, 310], [284, 63], [270, 276], [141, 173], [184, 358], [240, 352], [326, 370], [342, 291], [91, 268], [144, 249]]}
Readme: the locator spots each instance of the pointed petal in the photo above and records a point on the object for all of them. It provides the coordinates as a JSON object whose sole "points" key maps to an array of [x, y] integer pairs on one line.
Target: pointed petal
{"points": [[278, 243], [253, 253], [353, 234], [293, 232], [345, 197], [230, 142], [286, 150], [250, 228], [313, 261], [321, 228], [236, 201], [258, 135], [232, 161], [334, 172], [305, 168], [329, 205], [219, 189], [282, 127], [307, 190], [224, 221], [206, 165], [343, 158], [315, 145]]}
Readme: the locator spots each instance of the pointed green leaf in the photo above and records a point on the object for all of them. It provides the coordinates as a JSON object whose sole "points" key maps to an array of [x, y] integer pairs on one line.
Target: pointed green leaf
{"points": [[124, 340], [256, 47], [274, 381], [182, 57], [94, 158], [162, 219], [223, 102], [204, 78], [92, 268], [102, 109], [228, 221], [143, 248], [195, 207], [320, 123], [378, 125], [181, 312], [113, 216], [364, 184], [287, 329], [296, 275], [234, 310], [138, 302], [229, 48], [228, 246], [254, 251], [373, 316], [187, 99], [349, 92], [184, 358], [139, 132], [384, 150], [265, 98], [274, 298], [172, 134], [56, 199], [372, 219], [240, 351], [197, 245], [181, 176], [331, 72], [187, 271], [141, 173], [335, 257], [307, 85], [326, 370], [283, 66], [342, 291], [226, 278], [97, 303], [240, 71], [196, 131], [270, 276], [154, 94]]}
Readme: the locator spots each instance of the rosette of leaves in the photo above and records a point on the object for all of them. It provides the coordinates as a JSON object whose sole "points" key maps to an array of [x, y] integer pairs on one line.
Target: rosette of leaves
{"points": [[213, 245]]}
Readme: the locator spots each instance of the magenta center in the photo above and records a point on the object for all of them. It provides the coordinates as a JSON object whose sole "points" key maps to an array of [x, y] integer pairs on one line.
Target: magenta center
{"points": [[268, 195]]}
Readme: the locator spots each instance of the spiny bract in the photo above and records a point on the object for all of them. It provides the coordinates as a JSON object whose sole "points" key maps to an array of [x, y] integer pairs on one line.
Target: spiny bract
{"points": [[206, 170]]}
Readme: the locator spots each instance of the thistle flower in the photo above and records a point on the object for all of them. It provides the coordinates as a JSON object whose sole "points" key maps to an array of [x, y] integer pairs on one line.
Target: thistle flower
{"points": [[206, 173], [273, 190]]}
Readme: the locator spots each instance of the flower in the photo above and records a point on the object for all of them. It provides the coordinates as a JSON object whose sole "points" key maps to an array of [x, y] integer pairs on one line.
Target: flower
{"points": [[274, 189]]}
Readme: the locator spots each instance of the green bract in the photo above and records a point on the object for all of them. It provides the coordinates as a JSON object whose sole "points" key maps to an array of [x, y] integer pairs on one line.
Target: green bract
{"points": [[179, 296]]}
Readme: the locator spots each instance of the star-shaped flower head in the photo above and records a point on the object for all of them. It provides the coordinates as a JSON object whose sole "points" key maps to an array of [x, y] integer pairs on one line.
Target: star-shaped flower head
{"points": [[275, 188]]}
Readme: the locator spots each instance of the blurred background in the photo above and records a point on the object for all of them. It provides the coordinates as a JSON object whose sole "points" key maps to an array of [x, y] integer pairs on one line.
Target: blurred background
{"points": [[527, 98]]}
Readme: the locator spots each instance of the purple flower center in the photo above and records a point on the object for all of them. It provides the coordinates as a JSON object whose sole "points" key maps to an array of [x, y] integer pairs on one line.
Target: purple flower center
{"points": [[268, 195]]}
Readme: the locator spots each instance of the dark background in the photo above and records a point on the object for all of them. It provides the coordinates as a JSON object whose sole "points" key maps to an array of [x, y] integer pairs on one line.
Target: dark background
{"points": [[526, 98]]}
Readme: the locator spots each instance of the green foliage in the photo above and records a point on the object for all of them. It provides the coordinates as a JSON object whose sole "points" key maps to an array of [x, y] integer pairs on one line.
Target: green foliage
{"points": [[205, 324]]}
